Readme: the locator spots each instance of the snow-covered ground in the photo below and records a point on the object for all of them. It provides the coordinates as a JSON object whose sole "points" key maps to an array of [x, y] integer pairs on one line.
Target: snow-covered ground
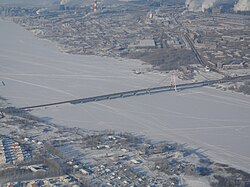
{"points": [[35, 72]]}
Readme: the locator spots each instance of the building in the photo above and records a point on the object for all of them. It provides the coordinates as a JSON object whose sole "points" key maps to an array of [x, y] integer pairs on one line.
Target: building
{"points": [[146, 43]]}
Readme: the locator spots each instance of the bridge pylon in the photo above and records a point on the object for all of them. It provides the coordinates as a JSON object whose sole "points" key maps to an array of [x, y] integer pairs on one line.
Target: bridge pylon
{"points": [[173, 81]]}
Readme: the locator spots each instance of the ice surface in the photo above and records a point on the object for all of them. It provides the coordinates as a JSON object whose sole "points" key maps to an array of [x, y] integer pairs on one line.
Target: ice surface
{"points": [[35, 72]]}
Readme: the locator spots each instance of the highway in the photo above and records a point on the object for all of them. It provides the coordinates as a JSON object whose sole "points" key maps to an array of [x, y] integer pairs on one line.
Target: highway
{"points": [[139, 92]]}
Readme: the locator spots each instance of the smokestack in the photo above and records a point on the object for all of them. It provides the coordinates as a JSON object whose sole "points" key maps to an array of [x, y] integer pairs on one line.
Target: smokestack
{"points": [[95, 5]]}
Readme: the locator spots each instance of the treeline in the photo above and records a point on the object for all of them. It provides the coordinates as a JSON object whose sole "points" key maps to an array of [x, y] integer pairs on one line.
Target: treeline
{"points": [[18, 174], [244, 88]]}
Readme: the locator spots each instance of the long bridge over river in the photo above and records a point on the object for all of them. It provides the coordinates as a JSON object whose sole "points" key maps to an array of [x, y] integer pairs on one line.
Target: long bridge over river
{"points": [[139, 92]]}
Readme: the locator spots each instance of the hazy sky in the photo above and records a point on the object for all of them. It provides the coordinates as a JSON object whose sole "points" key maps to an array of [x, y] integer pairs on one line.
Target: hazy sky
{"points": [[42, 2], [29, 2]]}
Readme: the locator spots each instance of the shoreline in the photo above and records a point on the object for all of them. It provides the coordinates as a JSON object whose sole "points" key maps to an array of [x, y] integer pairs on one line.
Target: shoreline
{"points": [[108, 77]]}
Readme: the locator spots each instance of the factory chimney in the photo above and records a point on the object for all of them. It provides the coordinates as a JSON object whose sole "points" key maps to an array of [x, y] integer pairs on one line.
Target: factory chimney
{"points": [[95, 5]]}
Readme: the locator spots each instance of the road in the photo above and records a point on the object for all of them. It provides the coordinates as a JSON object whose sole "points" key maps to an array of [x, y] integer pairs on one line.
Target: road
{"points": [[139, 92], [194, 50]]}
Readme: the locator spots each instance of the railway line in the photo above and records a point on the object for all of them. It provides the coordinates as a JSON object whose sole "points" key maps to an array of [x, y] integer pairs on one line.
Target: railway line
{"points": [[198, 57], [138, 92]]}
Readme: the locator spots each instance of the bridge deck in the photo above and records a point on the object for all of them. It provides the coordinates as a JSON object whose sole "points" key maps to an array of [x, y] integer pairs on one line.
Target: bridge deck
{"points": [[139, 92]]}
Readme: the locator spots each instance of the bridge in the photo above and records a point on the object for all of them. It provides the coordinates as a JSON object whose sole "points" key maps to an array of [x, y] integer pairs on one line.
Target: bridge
{"points": [[139, 92]]}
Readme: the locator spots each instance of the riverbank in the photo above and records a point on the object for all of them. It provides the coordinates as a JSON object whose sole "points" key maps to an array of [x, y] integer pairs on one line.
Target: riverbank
{"points": [[36, 72]]}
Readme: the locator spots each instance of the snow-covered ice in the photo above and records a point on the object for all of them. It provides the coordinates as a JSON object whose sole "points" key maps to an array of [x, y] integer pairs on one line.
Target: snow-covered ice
{"points": [[35, 72]]}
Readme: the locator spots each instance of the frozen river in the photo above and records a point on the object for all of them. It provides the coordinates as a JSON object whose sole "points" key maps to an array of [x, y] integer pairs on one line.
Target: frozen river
{"points": [[36, 72]]}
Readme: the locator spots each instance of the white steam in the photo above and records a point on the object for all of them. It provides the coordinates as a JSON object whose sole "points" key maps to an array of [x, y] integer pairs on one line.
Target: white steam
{"points": [[194, 5], [201, 5], [242, 5], [208, 4], [64, 2]]}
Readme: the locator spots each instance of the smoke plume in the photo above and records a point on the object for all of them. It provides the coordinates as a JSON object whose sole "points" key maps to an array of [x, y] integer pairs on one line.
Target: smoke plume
{"points": [[208, 4], [64, 2], [194, 5], [201, 5], [242, 5]]}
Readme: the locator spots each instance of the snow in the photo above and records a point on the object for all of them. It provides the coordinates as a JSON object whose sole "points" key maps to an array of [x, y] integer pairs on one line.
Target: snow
{"points": [[36, 72], [197, 183]]}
